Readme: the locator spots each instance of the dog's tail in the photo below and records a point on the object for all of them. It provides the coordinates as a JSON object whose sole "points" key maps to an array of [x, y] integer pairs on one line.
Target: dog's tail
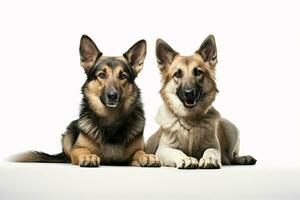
{"points": [[36, 156]]}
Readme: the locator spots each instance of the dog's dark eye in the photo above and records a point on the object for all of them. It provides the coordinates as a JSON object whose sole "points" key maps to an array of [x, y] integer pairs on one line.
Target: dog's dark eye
{"points": [[101, 75], [123, 75], [197, 72], [178, 74]]}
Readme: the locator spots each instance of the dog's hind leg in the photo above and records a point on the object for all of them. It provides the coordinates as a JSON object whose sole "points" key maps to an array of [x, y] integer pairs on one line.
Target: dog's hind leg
{"points": [[229, 139], [152, 143], [242, 160]]}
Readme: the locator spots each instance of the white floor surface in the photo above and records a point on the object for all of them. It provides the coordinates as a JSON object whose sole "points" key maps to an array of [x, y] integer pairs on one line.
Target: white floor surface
{"points": [[64, 181]]}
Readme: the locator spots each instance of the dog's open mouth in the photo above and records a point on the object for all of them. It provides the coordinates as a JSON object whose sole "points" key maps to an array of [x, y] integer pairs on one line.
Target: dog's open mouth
{"points": [[192, 102]]}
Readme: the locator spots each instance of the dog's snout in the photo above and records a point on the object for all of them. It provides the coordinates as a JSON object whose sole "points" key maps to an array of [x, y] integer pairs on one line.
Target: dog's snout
{"points": [[113, 95], [190, 92]]}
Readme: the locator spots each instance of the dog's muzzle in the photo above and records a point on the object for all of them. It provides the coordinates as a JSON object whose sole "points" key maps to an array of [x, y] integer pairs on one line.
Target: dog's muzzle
{"points": [[111, 98], [190, 95]]}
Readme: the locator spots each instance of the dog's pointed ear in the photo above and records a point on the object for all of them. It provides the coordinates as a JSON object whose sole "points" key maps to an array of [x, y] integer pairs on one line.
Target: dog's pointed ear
{"points": [[89, 53], [135, 55], [208, 50], [164, 54]]}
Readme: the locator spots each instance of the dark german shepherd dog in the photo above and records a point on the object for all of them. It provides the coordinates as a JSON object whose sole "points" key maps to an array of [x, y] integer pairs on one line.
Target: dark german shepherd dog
{"points": [[111, 121], [192, 133]]}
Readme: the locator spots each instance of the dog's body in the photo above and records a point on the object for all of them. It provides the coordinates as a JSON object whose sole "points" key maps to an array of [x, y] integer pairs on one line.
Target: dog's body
{"points": [[111, 122], [192, 133]]}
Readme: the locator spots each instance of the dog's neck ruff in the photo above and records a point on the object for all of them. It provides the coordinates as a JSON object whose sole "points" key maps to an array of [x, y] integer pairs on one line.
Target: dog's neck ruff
{"points": [[167, 120]]}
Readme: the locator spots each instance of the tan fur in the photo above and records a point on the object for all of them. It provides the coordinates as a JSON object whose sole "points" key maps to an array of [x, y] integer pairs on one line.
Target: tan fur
{"points": [[93, 91], [78, 153], [134, 152], [140, 158], [36, 156], [84, 141], [67, 143], [191, 137], [138, 144], [83, 150]]}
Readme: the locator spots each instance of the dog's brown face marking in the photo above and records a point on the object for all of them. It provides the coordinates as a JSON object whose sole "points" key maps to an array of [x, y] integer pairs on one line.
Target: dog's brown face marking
{"points": [[188, 81], [110, 85]]}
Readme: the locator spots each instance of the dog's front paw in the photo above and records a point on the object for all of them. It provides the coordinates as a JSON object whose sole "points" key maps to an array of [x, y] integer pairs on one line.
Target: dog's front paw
{"points": [[209, 163], [90, 160], [187, 163], [149, 160]]}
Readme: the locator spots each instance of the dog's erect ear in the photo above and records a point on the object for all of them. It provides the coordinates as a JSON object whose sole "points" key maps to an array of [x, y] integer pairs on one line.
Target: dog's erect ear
{"points": [[208, 49], [135, 55], [164, 54], [89, 52]]}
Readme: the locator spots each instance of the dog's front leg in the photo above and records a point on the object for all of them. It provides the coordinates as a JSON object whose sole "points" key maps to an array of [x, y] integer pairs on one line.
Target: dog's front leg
{"points": [[141, 159], [85, 152], [83, 157], [175, 158], [211, 159]]}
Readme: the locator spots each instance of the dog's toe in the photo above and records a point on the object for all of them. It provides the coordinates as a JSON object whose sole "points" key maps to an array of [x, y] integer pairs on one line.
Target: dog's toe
{"points": [[150, 160], [209, 163], [187, 163], [91, 160]]}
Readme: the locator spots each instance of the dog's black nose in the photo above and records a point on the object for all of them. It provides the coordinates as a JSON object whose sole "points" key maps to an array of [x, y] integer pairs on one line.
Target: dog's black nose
{"points": [[113, 95], [190, 93]]}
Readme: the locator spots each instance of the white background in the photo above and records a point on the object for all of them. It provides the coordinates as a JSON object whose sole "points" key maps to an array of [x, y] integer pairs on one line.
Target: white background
{"points": [[258, 72]]}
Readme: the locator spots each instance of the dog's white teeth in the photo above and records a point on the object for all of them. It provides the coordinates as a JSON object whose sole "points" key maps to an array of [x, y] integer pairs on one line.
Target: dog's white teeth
{"points": [[112, 106]]}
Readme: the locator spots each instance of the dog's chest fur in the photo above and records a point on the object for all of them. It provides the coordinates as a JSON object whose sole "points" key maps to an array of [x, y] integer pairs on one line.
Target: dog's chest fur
{"points": [[112, 153], [189, 137], [115, 142]]}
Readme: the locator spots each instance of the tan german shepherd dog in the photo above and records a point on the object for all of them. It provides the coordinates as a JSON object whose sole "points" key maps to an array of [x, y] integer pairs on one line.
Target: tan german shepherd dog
{"points": [[192, 133]]}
